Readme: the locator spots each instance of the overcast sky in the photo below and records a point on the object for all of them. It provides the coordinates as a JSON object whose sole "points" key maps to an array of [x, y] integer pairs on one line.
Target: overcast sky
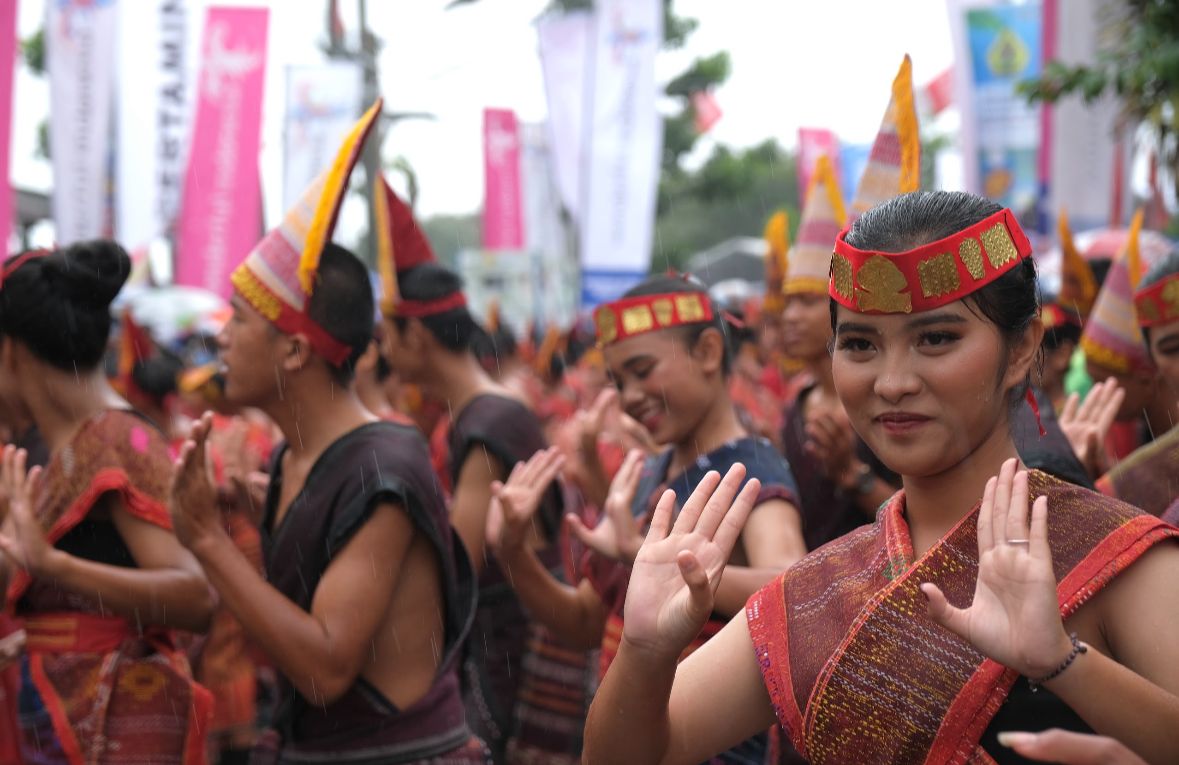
{"points": [[822, 63]]}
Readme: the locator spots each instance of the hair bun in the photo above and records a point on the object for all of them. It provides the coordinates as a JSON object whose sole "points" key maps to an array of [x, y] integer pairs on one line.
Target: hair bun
{"points": [[89, 272]]}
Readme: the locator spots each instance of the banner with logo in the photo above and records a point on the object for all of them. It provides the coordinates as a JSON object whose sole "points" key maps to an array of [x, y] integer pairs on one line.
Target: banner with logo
{"points": [[624, 140], [502, 214], [221, 213], [323, 101], [999, 44], [812, 144], [80, 53], [565, 51], [153, 116], [7, 64]]}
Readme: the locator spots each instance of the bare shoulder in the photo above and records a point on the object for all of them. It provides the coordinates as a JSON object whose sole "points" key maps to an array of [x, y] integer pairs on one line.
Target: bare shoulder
{"points": [[1138, 608]]}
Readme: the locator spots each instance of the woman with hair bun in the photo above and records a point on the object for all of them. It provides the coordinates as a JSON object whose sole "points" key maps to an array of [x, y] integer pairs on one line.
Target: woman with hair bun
{"points": [[921, 637], [89, 562]]}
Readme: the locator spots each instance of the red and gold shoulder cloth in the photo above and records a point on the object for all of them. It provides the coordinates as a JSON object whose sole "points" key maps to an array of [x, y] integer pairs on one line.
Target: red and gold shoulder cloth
{"points": [[858, 672], [928, 276], [1158, 304], [647, 313]]}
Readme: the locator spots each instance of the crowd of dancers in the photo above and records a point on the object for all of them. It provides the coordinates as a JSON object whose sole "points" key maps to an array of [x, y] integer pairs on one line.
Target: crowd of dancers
{"points": [[902, 509]]}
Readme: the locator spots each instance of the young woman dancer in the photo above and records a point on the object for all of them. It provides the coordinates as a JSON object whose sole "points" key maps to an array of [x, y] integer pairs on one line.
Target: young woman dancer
{"points": [[921, 637]]}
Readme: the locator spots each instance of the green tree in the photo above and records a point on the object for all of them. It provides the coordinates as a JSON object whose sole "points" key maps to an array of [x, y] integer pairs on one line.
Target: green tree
{"points": [[1140, 65], [732, 194]]}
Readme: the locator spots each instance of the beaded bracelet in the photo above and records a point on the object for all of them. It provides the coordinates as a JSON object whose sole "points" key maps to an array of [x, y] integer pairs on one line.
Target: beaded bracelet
{"points": [[1078, 649]]}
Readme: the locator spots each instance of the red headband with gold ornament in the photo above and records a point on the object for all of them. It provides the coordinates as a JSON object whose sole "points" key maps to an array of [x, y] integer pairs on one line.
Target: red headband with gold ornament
{"points": [[1158, 303], [646, 313], [928, 276]]}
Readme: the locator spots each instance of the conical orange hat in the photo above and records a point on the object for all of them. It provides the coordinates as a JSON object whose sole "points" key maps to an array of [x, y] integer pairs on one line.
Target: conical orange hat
{"points": [[822, 219]]}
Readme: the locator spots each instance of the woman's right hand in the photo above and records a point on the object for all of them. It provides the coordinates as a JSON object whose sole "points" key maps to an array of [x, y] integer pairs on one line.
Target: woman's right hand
{"points": [[679, 566], [1087, 424], [514, 503], [617, 534]]}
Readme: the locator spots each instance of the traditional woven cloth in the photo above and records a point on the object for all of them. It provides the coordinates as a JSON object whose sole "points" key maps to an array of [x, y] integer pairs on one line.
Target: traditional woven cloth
{"points": [[1158, 303], [822, 218], [1148, 478], [858, 672], [894, 166], [1078, 287], [94, 688], [278, 277]]}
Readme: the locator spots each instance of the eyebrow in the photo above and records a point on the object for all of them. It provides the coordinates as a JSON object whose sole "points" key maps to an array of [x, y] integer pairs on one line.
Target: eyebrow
{"points": [[634, 361], [924, 320]]}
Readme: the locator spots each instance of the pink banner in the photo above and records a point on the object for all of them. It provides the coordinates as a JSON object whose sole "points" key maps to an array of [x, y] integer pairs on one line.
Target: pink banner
{"points": [[221, 211], [812, 144], [503, 227], [7, 59]]}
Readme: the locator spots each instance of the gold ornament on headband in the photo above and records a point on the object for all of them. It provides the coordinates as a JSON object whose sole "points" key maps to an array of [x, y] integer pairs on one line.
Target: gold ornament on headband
{"points": [[646, 313], [929, 276]]}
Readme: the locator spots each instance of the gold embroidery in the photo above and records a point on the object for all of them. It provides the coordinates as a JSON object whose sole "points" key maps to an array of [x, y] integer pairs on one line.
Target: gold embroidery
{"points": [[970, 253], [663, 311], [255, 294], [607, 326], [689, 308], [1170, 296], [1000, 249], [636, 319], [938, 275], [841, 276], [881, 286], [142, 681], [1148, 310]]}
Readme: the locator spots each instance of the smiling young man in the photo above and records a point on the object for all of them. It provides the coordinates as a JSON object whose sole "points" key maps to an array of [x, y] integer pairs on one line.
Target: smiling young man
{"points": [[366, 598]]}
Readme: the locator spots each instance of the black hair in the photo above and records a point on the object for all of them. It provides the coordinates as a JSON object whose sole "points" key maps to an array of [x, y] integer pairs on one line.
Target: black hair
{"points": [[157, 376], [490, 348], [342, 305], [1159, 271], [58, 304], [1011, 302], [658, 285], [455, 328]]}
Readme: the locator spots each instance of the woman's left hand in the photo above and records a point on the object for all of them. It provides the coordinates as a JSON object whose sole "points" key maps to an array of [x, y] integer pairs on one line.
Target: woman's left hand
{"points": [[26, 544], [1014, 618]]}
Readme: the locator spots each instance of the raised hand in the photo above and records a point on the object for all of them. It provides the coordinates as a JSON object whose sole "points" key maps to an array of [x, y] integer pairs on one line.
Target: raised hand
{"points": [[25, 544], [589, 422], [1069, 748], [831, 440], [195, 512], [617, 534], [514, 503], [1087, 424], [1014, 618], [678, 568]]}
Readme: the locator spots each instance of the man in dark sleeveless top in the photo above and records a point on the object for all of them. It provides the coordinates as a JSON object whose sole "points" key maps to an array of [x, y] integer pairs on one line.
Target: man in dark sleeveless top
{"points": [[367, 598], [512, 699]]}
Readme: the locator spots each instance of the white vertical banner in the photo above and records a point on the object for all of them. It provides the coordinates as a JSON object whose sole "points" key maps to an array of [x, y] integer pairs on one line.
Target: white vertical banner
{"points": [[80, 48], [624, 137], [1082, 141], [323, 101], [154, 108], [565, 43]]}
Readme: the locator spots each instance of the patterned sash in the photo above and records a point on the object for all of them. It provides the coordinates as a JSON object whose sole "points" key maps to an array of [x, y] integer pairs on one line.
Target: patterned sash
{"points": [[1148, 478], [857, 671]]}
